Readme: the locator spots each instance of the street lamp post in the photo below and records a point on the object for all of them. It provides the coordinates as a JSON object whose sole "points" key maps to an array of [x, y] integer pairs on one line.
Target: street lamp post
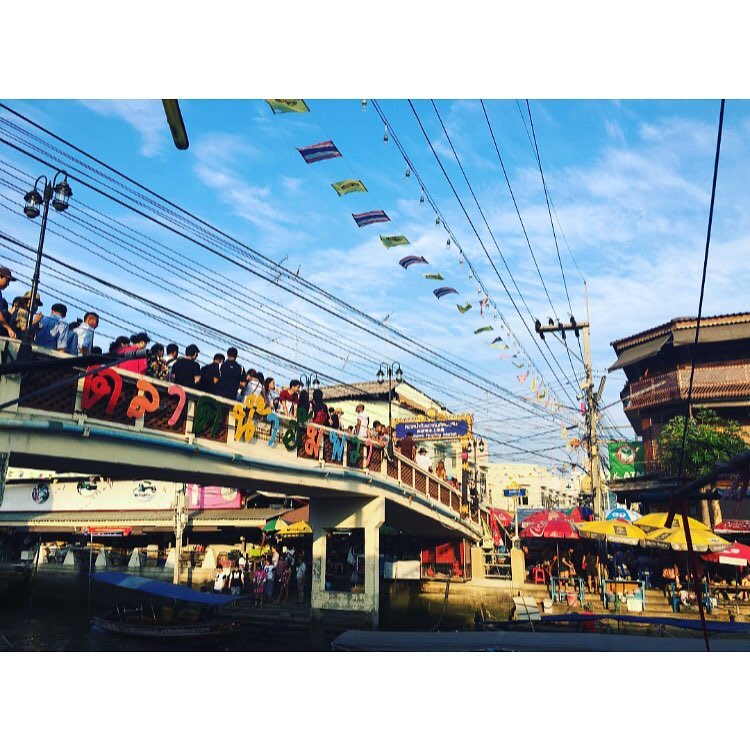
{"points": [[58, 192], [392, 369], [478, 448], [310, 380]]}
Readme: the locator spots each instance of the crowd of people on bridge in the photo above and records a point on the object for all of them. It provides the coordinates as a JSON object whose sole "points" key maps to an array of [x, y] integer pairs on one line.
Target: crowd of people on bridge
{"points": [[224, 376]]}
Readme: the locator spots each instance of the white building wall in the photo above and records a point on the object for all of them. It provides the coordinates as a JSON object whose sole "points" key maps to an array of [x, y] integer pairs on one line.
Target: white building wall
{"points": [[542, 486]]}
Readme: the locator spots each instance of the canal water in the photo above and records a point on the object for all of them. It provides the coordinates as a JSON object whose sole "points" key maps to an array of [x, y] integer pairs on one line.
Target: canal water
{"points": [[57, 621]]}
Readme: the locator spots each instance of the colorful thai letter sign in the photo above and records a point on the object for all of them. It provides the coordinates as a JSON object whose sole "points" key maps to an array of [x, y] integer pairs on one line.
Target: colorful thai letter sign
{"points": [[626, 459], [434, 429]]}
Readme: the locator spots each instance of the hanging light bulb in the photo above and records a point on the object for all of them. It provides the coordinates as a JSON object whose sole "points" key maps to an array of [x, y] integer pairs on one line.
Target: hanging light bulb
{"points": [[385, 135], [479, 290], [471, 274], [460, 257], [364, 104], [407, 175], [421, 197], [495, 315], [448, 242], [437, 220]]}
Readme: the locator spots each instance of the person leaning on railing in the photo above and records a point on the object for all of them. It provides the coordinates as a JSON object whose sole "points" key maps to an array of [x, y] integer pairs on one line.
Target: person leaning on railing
{"points": [[5, 278]]}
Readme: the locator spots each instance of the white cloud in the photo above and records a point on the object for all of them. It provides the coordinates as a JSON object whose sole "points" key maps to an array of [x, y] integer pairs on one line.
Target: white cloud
{"points": [[218, 157], [146, 116]]}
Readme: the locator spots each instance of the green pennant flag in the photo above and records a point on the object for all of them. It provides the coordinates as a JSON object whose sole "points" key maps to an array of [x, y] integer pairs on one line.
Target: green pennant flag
{"points": [[434, 276], [393, 240], [464, 308], [483, 329], [348, 186], [284, 106]]}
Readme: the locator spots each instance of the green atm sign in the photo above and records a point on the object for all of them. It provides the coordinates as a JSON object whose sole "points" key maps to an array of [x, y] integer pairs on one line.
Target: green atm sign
{"points": [[626, 459]]}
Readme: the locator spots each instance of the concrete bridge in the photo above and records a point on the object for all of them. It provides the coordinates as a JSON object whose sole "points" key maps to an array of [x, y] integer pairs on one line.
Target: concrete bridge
{"points": [[114, 423]]}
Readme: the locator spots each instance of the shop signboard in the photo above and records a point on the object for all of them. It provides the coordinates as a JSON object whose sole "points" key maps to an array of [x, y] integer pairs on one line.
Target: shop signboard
{"points": [[626, 459], [447, 427]]}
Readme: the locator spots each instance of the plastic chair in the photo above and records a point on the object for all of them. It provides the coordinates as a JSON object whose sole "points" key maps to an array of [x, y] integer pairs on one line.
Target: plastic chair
{"points": [[539, 575]]}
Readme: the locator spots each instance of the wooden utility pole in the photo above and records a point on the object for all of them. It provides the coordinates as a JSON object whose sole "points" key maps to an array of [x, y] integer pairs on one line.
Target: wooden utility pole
{"points": [[591, 399]]}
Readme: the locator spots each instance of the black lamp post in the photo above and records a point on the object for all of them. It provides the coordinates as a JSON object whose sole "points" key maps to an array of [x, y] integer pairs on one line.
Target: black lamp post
{"points": [[310, 380], [393, 370], [58, 192], [478, 448]]}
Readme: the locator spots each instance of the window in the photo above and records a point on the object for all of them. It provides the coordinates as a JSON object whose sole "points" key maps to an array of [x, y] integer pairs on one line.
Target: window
{"points": [[345, 560]]}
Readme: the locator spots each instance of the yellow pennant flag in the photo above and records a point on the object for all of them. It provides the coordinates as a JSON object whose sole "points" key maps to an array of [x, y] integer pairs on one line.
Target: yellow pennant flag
{"points": [[285, 106]]}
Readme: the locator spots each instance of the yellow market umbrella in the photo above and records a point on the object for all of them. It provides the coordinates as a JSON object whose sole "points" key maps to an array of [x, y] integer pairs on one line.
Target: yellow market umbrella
{"points": [[296, 529], [653, 521], [704, 540], [615, 531]]}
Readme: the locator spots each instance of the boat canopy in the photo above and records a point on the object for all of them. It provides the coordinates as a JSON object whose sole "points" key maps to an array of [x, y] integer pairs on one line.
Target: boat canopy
{"points": [[163, 589]]}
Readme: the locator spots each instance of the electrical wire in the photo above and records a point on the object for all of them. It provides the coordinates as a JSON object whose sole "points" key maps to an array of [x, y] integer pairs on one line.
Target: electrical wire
{"points": [[494, 267]]}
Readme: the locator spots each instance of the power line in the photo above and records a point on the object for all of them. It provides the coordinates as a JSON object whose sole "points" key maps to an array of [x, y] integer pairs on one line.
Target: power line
{"points": [[293, 291], [552, 223], [494, 267], [486, 223]]}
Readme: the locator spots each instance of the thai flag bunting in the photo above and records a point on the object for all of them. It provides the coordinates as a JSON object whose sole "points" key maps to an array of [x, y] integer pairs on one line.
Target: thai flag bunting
{"points": [[410, 260], [440, 292], [370, 217], [319, 152]]}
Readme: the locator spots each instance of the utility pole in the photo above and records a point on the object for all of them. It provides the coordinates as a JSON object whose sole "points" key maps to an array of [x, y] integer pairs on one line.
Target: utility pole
{"points": [[591, 398], [180, 522]]}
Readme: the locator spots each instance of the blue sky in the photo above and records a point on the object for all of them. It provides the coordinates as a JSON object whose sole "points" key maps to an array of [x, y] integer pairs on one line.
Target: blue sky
{"points": [[630, 182]]}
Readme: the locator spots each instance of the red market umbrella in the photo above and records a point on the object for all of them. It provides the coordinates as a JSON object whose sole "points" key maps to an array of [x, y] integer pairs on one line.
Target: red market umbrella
{"points": [[580, 514], [542, 515], [736, 554], [554, 528]]}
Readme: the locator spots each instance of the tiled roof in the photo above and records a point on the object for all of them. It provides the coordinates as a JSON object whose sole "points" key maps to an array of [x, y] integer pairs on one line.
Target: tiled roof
{"points": [[354, 390], [680, 324], [372, 389]]}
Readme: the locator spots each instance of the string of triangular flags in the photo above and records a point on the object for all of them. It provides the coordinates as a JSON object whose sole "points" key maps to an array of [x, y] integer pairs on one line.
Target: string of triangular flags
{"points": [[503, 338]]}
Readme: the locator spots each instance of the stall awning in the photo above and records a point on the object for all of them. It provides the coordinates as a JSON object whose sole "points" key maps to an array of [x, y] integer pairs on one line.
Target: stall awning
{"points": [[635, 354]]}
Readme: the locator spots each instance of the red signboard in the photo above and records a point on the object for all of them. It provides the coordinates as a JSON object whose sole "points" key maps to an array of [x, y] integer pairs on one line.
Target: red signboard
{"points": [[738, 525], [97, 531]]}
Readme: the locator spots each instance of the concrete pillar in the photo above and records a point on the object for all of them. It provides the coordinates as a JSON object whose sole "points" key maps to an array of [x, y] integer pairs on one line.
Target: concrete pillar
{"points": [[477, 563], [706, 518], [517, 568], [367, 514]]}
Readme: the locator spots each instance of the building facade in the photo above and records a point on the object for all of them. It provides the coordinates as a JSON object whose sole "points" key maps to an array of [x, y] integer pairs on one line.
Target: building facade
{"points": [[407, 402], [512, 485], [657, 364]]}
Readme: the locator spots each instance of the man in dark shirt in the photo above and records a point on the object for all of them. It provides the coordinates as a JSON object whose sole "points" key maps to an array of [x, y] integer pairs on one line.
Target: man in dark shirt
{"points": [[407, 446], [210, 375], [5, 328], [231, 376], [186, 371]]}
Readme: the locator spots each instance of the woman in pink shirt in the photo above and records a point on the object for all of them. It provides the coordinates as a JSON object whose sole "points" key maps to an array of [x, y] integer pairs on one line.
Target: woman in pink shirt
{"points": [[137, 341]]}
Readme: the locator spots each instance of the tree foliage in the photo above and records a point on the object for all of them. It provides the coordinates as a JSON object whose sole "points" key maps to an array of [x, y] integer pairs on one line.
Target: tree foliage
{"points": [[709, 440]]}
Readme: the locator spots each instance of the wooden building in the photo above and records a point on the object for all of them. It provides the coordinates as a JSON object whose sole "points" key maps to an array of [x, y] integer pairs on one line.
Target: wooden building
{"points": [[657, 364]]}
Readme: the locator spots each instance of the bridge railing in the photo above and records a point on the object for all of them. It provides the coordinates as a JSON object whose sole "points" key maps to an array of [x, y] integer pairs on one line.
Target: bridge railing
{"points": [[123, 399]]}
